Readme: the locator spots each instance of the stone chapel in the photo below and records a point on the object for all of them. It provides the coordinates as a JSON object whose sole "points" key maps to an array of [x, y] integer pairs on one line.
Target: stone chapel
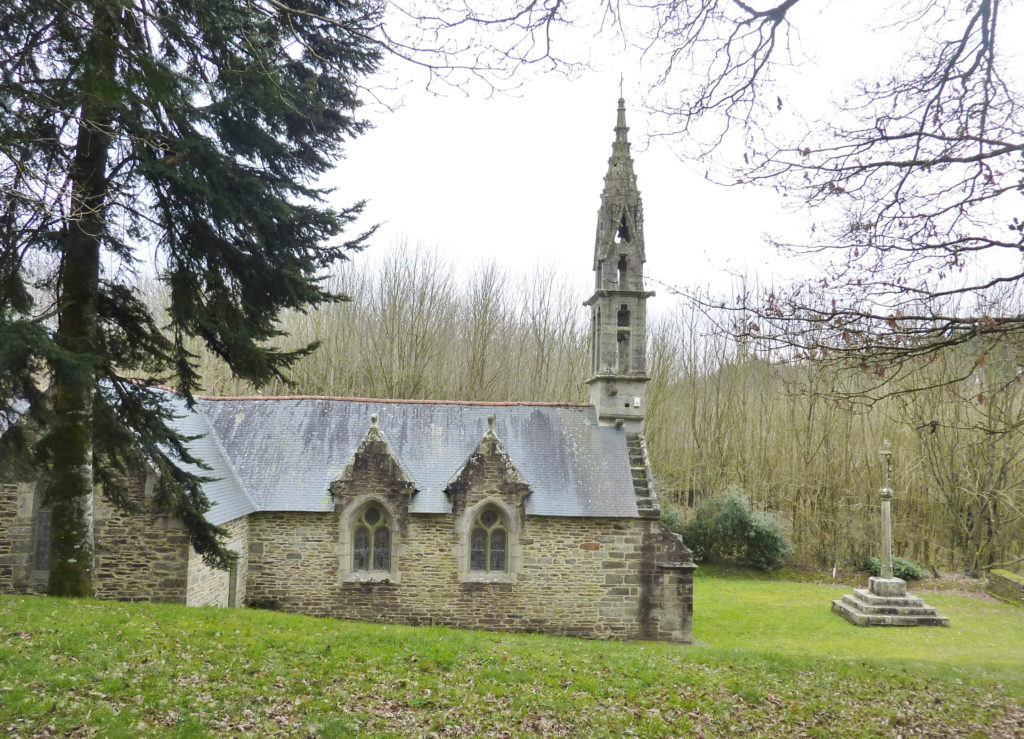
{"points": [[505, 516]]}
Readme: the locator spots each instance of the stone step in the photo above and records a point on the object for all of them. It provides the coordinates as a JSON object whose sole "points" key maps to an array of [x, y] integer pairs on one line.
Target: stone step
{"points": [[645, 503], [889, 609], [855, 616], [907, 601]]}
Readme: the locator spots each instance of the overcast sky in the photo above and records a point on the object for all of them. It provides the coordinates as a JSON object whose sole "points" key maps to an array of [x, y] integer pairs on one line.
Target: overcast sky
{"points": [[517, 178]]}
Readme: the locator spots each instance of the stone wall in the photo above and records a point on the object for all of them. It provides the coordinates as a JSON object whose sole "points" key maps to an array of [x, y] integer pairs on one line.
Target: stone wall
{"points": [[1006, 585], [293, 563], [141, 556], [18, 571], [137, 556], [583, 577], [624, 578], [209, 586]]}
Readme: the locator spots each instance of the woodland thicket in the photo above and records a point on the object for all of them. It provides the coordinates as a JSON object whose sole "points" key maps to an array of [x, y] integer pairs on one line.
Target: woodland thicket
{"points": [[800, 437]]}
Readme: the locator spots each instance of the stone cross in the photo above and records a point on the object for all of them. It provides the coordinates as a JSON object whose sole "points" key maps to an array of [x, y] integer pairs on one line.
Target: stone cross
{"points": [[886, 492], [885, 601]]}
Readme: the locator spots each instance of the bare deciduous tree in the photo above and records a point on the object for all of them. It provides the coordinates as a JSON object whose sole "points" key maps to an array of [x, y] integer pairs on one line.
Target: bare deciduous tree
{"points": [[915, 172], [920, 169]]}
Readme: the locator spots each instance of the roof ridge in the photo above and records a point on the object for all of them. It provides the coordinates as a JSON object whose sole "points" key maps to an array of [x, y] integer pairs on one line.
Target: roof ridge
{"points": [[397, 401]]}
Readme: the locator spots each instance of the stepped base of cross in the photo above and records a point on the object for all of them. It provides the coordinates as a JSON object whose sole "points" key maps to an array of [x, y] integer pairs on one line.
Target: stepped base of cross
{"points": [[885, 603]]}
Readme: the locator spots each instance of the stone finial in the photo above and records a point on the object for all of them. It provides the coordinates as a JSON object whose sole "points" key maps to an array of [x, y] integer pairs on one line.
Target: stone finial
{"points": [[373, 420], [621, 129], [490, 423]]}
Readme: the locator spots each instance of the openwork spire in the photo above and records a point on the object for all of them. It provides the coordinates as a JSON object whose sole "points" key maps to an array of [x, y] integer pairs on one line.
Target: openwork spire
{"points": [[618, 305], [620, 181]]}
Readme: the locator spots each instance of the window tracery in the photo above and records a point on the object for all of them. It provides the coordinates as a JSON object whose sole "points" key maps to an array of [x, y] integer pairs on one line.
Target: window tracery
{"points": [[371, 540], [488, 542]]}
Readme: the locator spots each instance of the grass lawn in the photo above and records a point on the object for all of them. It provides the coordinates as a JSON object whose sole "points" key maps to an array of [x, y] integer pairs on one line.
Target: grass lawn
{"points": [[770, 659]]}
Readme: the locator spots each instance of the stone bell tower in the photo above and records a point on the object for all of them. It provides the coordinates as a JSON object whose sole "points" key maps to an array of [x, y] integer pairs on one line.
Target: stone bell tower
{"points": [[618, 306]]}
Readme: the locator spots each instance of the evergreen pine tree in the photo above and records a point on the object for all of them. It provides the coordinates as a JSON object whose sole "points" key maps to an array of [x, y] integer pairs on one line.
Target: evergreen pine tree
{"points": [[187, 133]]}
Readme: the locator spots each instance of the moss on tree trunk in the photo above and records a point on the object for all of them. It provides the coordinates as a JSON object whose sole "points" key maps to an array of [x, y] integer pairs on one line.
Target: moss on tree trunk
{"points": [[71, 490]]}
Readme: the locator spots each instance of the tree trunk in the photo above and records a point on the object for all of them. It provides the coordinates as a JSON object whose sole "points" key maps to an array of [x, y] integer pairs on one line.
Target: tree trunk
{"points": [[70, 494]]}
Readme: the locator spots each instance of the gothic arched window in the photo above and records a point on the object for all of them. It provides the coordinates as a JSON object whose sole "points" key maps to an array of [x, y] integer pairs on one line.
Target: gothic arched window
{"points": [[371, 540], [488, 542]]}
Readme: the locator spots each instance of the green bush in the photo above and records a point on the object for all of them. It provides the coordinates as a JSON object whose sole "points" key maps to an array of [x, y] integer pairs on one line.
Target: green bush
{"points": [[727, 527], [672, 519], [905, 569]]}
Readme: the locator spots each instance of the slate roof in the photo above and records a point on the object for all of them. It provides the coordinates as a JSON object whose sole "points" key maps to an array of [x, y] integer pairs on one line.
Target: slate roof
{"points": [[229, 497], [281, 454]]}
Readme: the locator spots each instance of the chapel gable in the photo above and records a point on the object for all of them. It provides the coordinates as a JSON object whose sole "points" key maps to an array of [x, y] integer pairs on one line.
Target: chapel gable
{"points": [[374, 469], [487, 474]]}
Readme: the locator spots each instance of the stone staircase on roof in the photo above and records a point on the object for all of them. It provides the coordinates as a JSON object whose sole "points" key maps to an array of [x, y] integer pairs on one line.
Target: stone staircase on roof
{"points": [[643, 486]]}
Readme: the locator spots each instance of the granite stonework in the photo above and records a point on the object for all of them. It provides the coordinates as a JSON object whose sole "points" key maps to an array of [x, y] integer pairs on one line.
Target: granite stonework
{"points": [[885, 603], [18, 571], [142, 556], [210, 586], [581, 548], [139, 556], [576, 578], [1006, 585], [626, 578]]}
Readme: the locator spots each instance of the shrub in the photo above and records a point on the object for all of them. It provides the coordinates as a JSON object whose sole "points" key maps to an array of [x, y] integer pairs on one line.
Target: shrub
{"points": [[727, 527], [671, 518], [905, 569]]}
